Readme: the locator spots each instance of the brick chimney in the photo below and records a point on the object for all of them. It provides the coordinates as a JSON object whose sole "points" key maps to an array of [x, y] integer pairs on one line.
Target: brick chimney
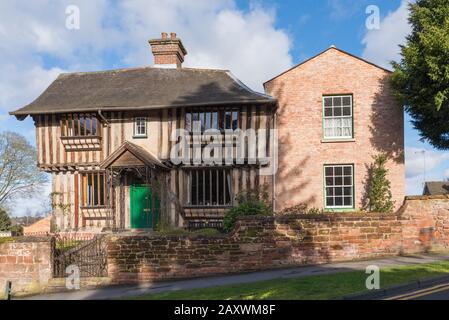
{"points": [[168, 52]]}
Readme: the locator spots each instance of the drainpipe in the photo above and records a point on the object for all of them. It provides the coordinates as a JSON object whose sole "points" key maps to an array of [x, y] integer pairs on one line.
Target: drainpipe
{"points": [[109, 127], [103, 118]]}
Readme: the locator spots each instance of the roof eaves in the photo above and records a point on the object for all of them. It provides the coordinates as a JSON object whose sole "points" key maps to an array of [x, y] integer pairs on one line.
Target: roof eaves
{"points": [[116, 108]]}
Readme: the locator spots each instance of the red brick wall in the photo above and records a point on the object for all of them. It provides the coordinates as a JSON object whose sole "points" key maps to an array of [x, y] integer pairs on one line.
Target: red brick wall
{"points": [[378, 127], [27, 263], [266, 243]]}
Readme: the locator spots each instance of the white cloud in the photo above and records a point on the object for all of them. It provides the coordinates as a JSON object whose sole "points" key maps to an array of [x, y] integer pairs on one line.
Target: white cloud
{"points": [[215, 33], [36, 46], [415, 161], [446, 173], [382, 46]]}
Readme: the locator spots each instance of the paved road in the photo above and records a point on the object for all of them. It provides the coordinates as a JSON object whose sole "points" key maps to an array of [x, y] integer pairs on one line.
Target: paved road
{"points": [[132, 291], [436, 291]]}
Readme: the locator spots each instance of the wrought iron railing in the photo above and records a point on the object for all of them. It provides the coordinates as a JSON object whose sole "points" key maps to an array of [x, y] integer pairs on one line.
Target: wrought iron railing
{"points": [[85, 252]]}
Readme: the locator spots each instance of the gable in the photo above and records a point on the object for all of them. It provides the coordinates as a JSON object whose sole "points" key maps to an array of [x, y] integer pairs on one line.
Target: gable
{"points": [[329, 55], [127, 159]]}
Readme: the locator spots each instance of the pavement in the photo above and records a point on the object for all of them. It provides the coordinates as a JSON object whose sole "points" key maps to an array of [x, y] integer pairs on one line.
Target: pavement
{"points": [[118, 292]]}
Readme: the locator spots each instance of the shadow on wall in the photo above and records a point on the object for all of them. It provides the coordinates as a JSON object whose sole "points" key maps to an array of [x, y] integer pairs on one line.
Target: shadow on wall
{"points": [[387, 141], [263, 243], [289, 167]]}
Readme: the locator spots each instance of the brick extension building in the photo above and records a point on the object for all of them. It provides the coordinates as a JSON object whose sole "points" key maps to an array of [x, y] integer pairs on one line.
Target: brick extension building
{"points": [[336, 112]]}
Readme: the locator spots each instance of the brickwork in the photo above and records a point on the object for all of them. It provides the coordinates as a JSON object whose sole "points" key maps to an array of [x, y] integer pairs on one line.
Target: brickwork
{"points": [[266, 243], [27, 263], [259, 243], [378, 127]]}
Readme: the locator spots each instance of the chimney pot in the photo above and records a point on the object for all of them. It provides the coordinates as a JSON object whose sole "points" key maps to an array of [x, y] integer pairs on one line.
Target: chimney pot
{"points": [[168, 53]]}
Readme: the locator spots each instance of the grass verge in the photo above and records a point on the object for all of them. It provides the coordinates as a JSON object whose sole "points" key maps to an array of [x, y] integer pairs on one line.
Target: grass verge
{"points": [[307, 288]]}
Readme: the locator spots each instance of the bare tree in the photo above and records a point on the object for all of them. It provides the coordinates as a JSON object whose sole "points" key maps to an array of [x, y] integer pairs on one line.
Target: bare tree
{"points": [[19, 175]]}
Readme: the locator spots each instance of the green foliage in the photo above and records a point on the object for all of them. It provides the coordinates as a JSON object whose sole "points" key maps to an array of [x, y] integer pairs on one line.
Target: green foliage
{"points": [[250, 203], [56, 202], [421, 79], [319, 287], [17, 230], [5, 221], [379, 190], [314, 211]]}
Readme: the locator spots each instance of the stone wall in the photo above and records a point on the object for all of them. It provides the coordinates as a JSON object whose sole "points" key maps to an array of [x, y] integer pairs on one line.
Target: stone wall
{"points": [[27, 263], [261, 243]]}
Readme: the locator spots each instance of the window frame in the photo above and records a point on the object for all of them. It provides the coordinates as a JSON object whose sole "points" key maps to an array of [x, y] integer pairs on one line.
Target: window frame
{"points": [[339, 207], [135, 127], [221, 119], [197, 171], [324, 117], [72, 124], [86, 202]]}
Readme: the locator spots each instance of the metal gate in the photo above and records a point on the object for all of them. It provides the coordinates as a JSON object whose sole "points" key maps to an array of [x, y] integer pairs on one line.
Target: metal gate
{"points": [[88, 254]]}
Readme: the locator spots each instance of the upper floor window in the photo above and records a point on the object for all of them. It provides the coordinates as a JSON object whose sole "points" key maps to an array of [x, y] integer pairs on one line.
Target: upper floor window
{"points": [[79, 125], [338, 117], [93, 190], [140, 127], [213, 119]]}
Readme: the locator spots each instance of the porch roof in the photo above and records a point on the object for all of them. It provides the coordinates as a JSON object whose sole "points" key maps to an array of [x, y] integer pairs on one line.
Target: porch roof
{"points": [[129, 155]]}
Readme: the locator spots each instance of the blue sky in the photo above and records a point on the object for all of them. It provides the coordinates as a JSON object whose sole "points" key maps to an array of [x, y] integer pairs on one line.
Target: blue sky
{"points": [[254, 39]]}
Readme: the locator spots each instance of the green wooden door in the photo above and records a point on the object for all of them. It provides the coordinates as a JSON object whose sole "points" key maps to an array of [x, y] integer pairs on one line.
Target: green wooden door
{"points": [[142, 216]]}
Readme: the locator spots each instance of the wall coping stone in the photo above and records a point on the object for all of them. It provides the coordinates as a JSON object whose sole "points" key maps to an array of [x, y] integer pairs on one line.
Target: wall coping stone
{"points": [[27, 239], [436, 197]]}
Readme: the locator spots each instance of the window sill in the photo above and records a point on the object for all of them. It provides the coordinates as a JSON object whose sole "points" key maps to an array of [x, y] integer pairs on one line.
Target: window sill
{"points": [[208, 207], [94, 208], [337, 140], [86, 143], [140, 137], [339, 209]]}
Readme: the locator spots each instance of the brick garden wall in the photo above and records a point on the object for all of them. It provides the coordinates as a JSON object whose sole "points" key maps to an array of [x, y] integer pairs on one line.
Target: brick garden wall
{"points": [[266, 243], [27, 263], [259, 243]]}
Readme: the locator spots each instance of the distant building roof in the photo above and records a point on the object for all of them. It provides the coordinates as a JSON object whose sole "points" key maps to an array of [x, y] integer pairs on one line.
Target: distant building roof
{"points": [[434, 188], [141, 88]]}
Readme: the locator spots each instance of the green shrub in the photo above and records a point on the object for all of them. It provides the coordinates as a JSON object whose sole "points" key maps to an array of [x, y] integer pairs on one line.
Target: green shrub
{"points": [[380, 198], [250, 203], [5, 221], [314, 211]]}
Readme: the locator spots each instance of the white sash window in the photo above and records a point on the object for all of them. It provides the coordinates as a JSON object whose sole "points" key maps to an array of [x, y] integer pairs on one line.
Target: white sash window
{"points": [[338, 117]]}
